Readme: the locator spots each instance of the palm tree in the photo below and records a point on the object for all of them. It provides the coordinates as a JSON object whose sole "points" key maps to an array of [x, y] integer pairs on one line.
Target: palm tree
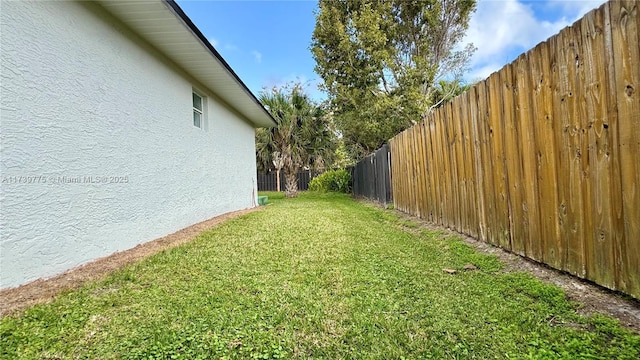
{"points": [[302, 136], [445, 91]]}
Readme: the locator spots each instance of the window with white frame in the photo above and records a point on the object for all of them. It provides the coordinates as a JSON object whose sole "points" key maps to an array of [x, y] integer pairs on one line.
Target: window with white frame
{"points": [[198, 110]]}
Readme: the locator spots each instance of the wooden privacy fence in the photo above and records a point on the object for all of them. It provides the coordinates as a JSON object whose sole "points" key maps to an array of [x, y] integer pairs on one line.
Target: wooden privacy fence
{"points": [[543, 157], [371, 176]]}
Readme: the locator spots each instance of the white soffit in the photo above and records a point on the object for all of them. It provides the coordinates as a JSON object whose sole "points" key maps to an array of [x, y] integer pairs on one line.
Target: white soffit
{"points": [[165, 26]]}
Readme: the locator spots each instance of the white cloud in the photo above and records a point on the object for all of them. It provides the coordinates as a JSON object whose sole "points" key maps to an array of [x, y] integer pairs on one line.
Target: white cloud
{"points": [[230, 47], [221, 45], [257, 56], [501, 30], [498, 28], [213, 41], [575, 9]]}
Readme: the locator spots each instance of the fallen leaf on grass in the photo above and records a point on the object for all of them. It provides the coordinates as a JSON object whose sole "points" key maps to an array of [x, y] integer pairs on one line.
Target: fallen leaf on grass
{"points": [[450, 271]]}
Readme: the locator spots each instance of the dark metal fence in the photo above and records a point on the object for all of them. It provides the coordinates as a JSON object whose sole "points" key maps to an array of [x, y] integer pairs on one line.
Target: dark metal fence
{"points": [[269, 181], [372, 176]]}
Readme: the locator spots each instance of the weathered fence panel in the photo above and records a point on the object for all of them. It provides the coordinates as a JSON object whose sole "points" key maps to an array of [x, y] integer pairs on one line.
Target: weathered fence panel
{"points": [[543, 157], [371, 176]]}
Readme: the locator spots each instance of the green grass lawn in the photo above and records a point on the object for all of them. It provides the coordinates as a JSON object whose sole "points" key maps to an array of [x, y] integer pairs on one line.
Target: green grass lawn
{"points": [[322, 277]]}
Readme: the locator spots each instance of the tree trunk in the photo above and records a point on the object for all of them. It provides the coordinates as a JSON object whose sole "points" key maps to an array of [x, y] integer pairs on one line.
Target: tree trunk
{"points": [[290, 173], [291, 186]]}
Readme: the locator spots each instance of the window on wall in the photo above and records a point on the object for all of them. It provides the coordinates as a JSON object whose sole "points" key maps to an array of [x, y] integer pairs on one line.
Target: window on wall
{"points": [[198, 111]]}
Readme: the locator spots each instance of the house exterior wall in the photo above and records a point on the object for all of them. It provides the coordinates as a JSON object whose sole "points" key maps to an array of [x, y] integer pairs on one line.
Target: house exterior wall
{"points": [[84, 100]]}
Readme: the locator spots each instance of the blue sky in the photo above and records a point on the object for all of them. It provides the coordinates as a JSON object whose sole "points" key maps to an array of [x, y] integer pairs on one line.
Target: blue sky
{"points": [[267, 42]]}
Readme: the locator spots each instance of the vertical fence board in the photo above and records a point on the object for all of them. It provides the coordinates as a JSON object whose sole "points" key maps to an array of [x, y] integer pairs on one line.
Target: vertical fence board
{"points": [[397, 171], [559, 115], [530, 207], [444, 175], [406, 139], [581, 93], [450, 166], [460, 176], [486, 168], [415, 174], [469, 162], [567, 138], [417, 146], [549, 192], [395, 175], [405, 172], [407, 180], [415, 170], [487, 161], [422, 186], [614, 168], [429, 171], [470, 218], [493, 117], [538, 85], [555, 249], [496, 136], [436, 150], [600, 263], [625, 31], [610, 126], [477, 160], [577, 232], [452, 137], [513, 162]]}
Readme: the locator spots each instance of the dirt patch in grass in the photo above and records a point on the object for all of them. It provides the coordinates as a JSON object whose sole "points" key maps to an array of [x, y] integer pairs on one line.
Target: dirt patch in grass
{"points": [[592, 298], [44, 290]]}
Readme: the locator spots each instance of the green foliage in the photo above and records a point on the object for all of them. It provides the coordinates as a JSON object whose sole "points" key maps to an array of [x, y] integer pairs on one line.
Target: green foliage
{"points": [[303, 135], [380, 60], [444, 91], [322, 277], [333, 180], [342, 157]]}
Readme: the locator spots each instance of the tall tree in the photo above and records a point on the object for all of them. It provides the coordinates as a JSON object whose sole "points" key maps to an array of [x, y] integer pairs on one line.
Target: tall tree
{"points": [[380, 60], [303, 136]]}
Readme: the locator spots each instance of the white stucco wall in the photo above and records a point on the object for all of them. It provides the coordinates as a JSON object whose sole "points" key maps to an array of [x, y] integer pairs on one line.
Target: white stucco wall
{"points": [[81, 96]]}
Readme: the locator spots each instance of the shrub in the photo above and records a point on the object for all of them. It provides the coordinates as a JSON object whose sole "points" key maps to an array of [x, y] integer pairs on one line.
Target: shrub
{"points": [[333, 180]]}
